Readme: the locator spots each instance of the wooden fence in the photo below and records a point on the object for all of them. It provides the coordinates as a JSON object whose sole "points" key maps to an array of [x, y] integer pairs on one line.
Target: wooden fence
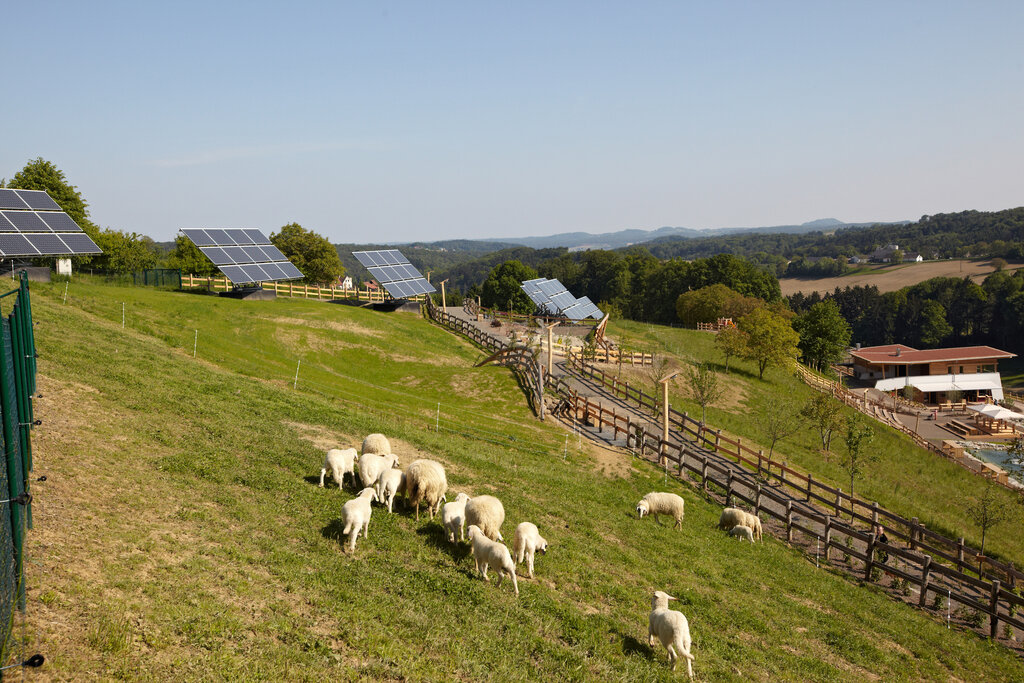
{"points": [[919, 556], [599, 355], [708, 437], [290, 289]]}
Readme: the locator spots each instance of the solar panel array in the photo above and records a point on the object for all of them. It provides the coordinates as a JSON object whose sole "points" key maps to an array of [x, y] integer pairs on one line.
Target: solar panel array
{"points": [[553, 298], [394, 272], [243, 254], [32, 224]]}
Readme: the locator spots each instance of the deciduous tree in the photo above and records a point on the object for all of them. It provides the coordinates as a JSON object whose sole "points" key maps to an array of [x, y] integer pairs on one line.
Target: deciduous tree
{"points": [[987, 510], [823, 412], [502, 287], [311, 253], [186, 257], [702, 386], [731, 341], [824, 334], [771, 340], [779, 420], [857, 437]]}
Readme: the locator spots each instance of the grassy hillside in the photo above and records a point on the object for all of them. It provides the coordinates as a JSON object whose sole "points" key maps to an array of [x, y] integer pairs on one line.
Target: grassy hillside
{"points": [[906, 479], [181, 534]]}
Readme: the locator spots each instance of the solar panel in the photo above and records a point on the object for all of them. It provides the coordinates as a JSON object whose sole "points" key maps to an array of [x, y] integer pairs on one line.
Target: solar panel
{"points": [[243, 254], [394, 272], [553, 298], [32, 224]]}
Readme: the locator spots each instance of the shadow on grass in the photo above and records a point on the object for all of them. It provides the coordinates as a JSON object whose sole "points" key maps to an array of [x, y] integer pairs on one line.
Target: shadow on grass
{"points": [[435, 535], [633, 647], [334, 531]]}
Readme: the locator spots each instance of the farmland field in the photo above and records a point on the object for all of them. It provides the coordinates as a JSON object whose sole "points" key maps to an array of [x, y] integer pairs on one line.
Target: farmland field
{"points": [[889, 278], [181, 534]]}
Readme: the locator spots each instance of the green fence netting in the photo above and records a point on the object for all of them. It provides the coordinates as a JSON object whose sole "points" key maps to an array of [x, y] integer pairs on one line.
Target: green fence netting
{"points": [[158, 277], [17, 384]]}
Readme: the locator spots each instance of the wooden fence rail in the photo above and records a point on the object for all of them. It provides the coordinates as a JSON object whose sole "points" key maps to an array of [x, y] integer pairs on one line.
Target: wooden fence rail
{"points": [[291, 289]]}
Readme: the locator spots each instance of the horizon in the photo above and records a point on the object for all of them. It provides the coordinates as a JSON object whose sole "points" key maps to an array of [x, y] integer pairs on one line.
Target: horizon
{"points": [[414, 123]]}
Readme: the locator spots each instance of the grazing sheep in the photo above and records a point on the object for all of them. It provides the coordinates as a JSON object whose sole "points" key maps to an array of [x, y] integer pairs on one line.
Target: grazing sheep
{"points": [[490, 554], [389, 484], [376, 443], [733, 517], [355, 514], [371, 465], [488, 513], [660, 503], [453, 517], [526, 541], [742, 532], [672, 630], [425, 481], [339, 463]]}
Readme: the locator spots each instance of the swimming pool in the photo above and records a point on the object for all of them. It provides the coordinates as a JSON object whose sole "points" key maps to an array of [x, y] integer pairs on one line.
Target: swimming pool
{"points": [[1001, 458]]}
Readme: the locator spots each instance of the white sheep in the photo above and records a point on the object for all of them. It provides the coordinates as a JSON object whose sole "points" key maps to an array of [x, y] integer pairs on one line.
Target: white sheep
{"points": [[672, 630], [355, 515], [490, 554], [425, 481], [661, 503], [488, 513], [371, 465], [525, 542], [453, 517], [733, 517], [339, 463], [377, 443], [390, 483], [742, 532]]}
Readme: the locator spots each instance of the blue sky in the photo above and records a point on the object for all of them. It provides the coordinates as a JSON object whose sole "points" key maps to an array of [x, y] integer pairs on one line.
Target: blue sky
{"points": [[421, 121]]}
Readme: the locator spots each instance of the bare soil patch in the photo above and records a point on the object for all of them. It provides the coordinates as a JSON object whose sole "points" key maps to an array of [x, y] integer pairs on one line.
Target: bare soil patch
{"points": [[891, 278]]}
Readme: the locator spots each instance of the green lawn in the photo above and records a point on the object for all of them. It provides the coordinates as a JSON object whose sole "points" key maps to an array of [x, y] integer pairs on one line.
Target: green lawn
{"points": [[906, 479], [181, 535]]}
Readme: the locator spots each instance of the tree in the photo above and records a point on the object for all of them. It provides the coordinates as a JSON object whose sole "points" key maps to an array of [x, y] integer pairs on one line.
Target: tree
{"points": [[311, 253], [125, 252], [502, 287], [731, 342], [779, 421], [703, 386], [934, 326], [823, 413], [987, 510], [998, 264], [187, 257], [771, 340], [824, 334], [856, 439]]}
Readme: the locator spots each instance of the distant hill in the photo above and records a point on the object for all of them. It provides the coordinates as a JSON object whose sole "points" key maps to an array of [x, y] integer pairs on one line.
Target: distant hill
{"points": [[624, 238]]}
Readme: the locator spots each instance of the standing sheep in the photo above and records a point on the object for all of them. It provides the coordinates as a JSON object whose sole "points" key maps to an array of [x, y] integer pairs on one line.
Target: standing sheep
{"points": [[733, 517], [390, 483], [371, 465], [754, 522], [672, 630], [660, 503], [525, 542], [742, 532], [425, 481], [339, 463], [376, 443], [489, 554], [453, 517], [488, 513], [355, 515]]}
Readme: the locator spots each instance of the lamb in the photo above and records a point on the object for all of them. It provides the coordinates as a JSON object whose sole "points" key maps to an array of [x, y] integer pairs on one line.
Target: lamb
{"points": [[732, 517], [489, 554], [355, 515], [371, 465], [390, 483], [526, 541], [425, 481], [742, 532], [487, 513], [376, 443], [672, 629], [660, 503], [339, 463], [453, 517]]}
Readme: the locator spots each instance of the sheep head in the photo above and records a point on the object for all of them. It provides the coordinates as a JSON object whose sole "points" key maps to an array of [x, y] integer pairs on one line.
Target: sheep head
{"points": [[643, 508], [369, 491], [660, 600], [473, 530]]}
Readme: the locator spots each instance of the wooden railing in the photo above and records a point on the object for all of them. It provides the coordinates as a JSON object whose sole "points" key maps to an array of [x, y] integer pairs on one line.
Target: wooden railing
{"points": [[599, 355], [290, 289], [842, 503]]}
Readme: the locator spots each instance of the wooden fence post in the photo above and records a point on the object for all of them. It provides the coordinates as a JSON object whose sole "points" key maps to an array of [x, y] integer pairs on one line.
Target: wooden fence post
{"points": [[760, 454], [913, 533], [810, 478], [789, 520], [871, 557], [839, 501], [828, 537], [874, 514], [993, 619], [960, 554], [925, 571], [718, 438]]}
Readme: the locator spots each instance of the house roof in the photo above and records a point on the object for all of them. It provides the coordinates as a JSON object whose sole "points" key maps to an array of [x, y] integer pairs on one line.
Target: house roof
{"points": [[899, 354]]}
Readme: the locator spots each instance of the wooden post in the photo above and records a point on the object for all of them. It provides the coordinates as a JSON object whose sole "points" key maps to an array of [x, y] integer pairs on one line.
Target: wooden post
{"points": [[718, 438], [871, 557], [839, 501], [874, 513], [810, 478], [925, 571], [913, 533], [444, 301], [757, 502], [760, 454], [789, 520], [828, 536], [960, 554], [993, 619]]}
